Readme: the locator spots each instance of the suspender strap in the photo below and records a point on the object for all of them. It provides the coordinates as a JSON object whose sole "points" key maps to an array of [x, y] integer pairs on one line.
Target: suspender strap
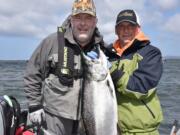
{"points": [[65, 63], [65, 66]]}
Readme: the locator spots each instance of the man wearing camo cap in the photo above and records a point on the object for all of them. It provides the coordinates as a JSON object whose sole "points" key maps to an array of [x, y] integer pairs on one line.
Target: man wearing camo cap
{"points": [[53, 92]]}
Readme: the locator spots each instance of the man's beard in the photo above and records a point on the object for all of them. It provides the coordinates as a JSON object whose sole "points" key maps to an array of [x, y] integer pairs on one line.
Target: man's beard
{"points": [[83, 38]]}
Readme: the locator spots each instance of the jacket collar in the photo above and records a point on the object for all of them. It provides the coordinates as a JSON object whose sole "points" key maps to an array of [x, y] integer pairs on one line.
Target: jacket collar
{"points": [[140, 37]]}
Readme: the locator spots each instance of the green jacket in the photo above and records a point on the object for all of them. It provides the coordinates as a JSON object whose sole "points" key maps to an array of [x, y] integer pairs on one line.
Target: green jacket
{"points": [[136, 74]]}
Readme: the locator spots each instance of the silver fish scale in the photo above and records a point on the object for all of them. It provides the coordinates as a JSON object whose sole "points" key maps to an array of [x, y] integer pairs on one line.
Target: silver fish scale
{"points": [[99, 100]]}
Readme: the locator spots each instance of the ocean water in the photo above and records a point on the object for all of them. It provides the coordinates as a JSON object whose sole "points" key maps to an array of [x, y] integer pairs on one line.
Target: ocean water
{"points": [[11, 83]]}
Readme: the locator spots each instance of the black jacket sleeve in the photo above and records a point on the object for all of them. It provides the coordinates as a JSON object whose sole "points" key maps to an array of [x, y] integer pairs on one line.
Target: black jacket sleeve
{"points": [[149, 71]]}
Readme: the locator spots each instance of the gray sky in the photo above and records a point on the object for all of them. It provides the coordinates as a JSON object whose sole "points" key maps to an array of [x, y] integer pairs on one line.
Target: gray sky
{"points": [[23, 24]]}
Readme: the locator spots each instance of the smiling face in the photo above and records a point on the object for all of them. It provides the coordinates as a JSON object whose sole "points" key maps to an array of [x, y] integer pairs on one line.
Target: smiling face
{"points": [[83, 26], [126, 32]]}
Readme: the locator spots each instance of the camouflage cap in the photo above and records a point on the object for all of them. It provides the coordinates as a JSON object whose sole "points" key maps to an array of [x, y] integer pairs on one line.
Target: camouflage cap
{"points": [[84, 6]]}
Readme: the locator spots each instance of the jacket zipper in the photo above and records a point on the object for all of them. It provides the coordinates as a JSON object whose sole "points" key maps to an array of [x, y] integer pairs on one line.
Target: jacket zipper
{"points": [[148, 108]]}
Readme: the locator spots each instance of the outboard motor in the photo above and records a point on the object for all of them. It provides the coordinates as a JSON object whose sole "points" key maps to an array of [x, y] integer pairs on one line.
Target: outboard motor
{"points": [[9, 115], [13, 120]]}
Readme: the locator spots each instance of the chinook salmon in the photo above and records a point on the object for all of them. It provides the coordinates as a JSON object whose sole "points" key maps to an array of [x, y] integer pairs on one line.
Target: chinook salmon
{"points": [[99, 109]]}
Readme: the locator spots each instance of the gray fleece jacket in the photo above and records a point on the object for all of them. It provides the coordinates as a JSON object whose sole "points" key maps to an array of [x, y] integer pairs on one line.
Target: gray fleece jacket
{"points": [[43, 89]]}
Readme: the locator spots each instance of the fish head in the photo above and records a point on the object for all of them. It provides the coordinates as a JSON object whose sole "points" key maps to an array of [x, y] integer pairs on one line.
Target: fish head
{"points": [[97, 69]]}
